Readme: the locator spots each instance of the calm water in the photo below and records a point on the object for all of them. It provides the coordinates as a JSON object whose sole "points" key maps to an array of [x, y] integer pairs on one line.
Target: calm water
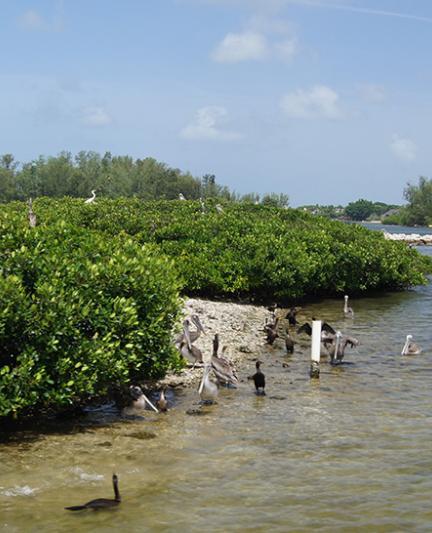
{"points": [[351, 451]]}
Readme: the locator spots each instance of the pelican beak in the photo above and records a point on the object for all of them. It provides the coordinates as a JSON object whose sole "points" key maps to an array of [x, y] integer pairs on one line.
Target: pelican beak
{"points": [[198, 324], [187, 336]]}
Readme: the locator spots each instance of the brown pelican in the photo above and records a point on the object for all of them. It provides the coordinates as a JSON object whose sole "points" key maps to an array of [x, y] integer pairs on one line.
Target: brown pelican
{"points": [[222, 367], [208, 390], [193, 335], [101, 503], [139, 398], [31, 214], [259, 380], [289, 343], [162, 403], [291, 316], [348, 311], [271, 331], [191, 353], [92, 198], [410, 348], [336, 346]]}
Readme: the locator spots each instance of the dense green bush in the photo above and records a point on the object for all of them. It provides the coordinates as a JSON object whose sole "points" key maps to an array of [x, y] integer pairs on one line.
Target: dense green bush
{"points": [[78, 312], [250, 250]]}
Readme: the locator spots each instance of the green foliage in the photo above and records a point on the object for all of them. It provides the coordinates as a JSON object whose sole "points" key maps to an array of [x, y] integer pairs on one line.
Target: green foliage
{"points": [[359, 210], [78, 312], [90, 296], [419, 197]]}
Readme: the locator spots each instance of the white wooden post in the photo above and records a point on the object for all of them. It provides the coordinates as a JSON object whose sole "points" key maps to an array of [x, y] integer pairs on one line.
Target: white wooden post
{"points": [[315, 349]]}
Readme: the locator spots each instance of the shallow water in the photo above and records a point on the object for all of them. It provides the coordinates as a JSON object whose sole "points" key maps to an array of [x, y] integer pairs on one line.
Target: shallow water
{"points": [[351, 451]]}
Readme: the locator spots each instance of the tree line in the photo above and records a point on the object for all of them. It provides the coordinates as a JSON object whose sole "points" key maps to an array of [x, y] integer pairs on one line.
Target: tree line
{"points": [[112, 177]]}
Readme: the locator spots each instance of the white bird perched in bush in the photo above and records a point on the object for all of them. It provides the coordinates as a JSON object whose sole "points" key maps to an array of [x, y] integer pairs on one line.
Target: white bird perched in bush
{"points": [[181, 196], [92, 198]]}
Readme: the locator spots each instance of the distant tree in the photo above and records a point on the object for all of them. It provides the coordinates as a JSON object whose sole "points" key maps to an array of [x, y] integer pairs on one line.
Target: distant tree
{"points": [[8, 167], [419, 199], [275, 199], [359, 210], [252, 198]]}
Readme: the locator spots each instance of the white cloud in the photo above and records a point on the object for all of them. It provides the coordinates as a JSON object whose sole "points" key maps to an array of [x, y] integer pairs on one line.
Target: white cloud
{"points": [[237, 47], [286, 49], [96, 116], [372, 93], [318, 102], [205, 126], [32, 20], [403, 148]]}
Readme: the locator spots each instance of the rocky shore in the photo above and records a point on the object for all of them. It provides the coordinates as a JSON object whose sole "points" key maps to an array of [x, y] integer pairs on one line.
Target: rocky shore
{"points": [[240, 329], [410, 238]]}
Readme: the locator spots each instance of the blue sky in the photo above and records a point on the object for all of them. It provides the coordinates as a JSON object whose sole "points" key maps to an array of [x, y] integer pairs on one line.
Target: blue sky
{"points": [[326, 101]]}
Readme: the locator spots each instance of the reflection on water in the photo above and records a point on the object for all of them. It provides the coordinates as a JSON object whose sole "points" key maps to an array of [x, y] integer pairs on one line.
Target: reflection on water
{"points": [[352, 451]]}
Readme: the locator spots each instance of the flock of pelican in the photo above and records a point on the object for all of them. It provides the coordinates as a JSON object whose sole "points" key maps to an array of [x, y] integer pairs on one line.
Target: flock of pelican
{"points": [[219, 371]]}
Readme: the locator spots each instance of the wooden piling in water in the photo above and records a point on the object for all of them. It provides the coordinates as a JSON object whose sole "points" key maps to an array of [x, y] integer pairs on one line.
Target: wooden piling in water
{"points": [[315, 349]]}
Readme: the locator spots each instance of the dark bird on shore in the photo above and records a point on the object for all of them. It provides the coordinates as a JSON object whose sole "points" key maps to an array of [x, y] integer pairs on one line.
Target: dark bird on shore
{"points": [[291, 316], [289, 343], [31, 214], [222, 367], [348, 311], [410, 348], [259, 380], [271, 331], [336, 346], [101, 503], [139, 399], [162, 403]]}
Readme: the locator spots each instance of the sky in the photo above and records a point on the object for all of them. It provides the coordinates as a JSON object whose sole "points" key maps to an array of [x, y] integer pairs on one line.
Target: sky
{"points": [[327, 101]]}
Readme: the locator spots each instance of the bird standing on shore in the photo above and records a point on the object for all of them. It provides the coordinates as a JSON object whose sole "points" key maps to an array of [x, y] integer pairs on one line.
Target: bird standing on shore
{"points": [[410, 348], [259, 380], [190, 352], [289, 343], [291, 316], [162, 403], [208, 390], [271, 331], [223, 368], [348, 311], [100, 503]]}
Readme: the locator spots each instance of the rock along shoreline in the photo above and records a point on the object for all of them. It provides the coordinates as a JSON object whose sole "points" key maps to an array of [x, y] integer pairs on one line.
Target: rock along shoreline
{"points": [[414, 239]]}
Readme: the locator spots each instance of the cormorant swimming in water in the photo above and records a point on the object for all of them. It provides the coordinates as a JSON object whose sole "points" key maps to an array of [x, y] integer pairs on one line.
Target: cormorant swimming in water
{"points": [[100, 503]]}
